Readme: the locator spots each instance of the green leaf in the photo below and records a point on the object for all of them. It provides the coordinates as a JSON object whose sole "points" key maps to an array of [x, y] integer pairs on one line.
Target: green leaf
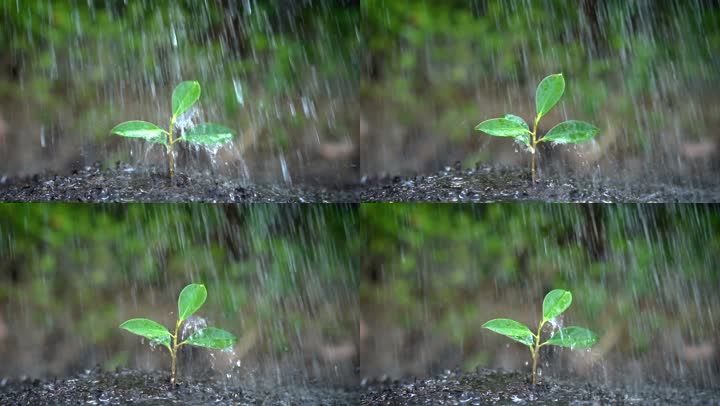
{"points": [[523, 138], [149, 329], [158, 140], [518, 120], [548, 93], [502, 127], [212, 337], [141, 129], [511, 328], [191, 299], [208, 134], [556, 302], [571, 132], [184, 96], [573, 337]]}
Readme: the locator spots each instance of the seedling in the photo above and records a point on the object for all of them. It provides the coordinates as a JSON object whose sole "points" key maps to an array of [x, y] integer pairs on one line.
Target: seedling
{"points": [[548, 93], [191, 299], [183, 97], [556, 302]]}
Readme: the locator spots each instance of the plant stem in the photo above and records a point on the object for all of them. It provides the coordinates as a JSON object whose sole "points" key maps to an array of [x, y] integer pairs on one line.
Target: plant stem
{"points": [[535, 352], [172, 377], [534, 149], [171, 158], [173, 353], [534, 178]]}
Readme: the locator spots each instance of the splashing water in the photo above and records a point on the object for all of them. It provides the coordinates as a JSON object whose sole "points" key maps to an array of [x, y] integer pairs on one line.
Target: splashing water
{"points": [[188, 119], [191, 325], [556, 324]]}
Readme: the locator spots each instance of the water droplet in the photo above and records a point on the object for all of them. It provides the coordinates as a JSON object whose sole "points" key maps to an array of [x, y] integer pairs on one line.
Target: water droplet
{"points": [[191, 325], [174, 37], [237, 86]]}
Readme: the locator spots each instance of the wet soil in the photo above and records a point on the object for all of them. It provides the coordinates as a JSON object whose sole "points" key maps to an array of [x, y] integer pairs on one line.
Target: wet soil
{"points": [[511, 388], [126, 386], [128, 184], [452, 184], [489, 184]]}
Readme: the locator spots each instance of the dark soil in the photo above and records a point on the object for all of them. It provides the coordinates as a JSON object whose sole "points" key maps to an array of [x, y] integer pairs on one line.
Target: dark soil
{"points": [[153, 388], [481, 184], [488, 184], [128, 184], [506, 388]]}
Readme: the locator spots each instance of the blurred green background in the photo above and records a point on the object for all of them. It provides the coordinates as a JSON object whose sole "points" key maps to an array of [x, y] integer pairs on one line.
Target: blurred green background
{"points": [[644, 277], [281, 73], [283, 278], [642, 71]]}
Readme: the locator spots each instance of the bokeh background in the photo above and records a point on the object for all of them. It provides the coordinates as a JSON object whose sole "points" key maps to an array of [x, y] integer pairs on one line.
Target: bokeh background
{"points": [[283, 278], [643, 277], [282, 73], [645, 72]]}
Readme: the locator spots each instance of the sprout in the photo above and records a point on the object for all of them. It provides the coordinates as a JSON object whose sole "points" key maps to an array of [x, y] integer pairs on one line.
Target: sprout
{"points": [[548, 94], [183, 98], [192, 297], [555, 302]]}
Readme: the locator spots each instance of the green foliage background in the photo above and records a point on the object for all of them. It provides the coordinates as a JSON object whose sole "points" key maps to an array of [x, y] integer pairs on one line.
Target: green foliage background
{"points": [[437, 68], [77, 68], [440, 271], [77, 271]]}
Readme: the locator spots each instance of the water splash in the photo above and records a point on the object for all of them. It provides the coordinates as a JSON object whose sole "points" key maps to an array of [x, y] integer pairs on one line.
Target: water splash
{"points": [[188, 119], [191, 325], [556, 324]]}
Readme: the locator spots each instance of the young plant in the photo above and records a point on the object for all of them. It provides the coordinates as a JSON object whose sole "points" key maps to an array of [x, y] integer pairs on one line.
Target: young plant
{"points": [[191, 299], [183, 97], [556, 302], [548, 93]]}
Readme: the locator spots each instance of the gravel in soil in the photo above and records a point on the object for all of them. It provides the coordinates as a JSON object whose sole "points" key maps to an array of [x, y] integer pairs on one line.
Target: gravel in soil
{"points": [[511, 388], [128, 184], [126, 386], [481, 184], [489, 184]]}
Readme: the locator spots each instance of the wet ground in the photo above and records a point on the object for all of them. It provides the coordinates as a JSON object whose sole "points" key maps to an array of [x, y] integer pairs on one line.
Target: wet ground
{"points": [[512, 388], [452, 184], [153, 388], [128, 184], [488, 184]]}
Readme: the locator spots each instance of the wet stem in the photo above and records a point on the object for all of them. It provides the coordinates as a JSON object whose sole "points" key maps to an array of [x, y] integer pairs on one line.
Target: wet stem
{"points": [[536, 351], [173, 353], [534, 148], [171, 158]]}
